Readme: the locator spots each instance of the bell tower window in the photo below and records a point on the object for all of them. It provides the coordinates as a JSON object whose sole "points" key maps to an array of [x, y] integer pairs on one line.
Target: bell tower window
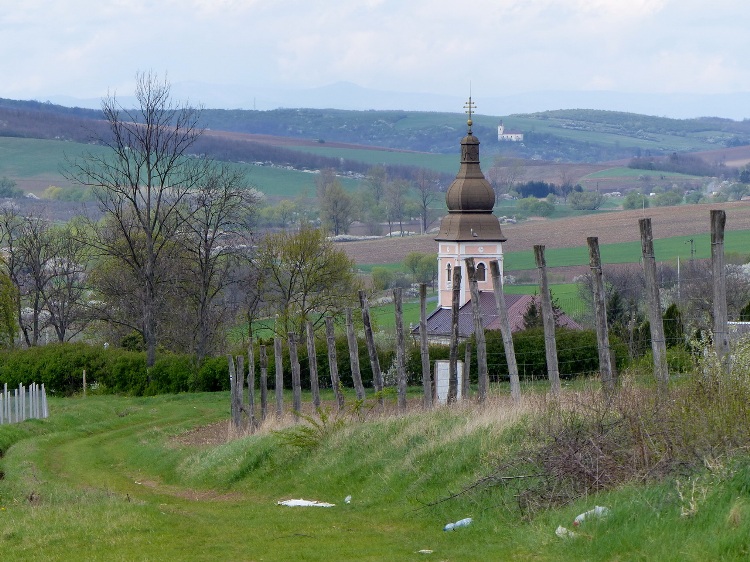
{"points": [[448, 269], [481, 272]]}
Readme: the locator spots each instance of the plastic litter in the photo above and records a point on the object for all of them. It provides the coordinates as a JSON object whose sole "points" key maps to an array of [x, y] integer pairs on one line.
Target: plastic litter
{"points": [[304, 503], [348, 499], [462, 523], [564, 533], [598, 511], [425, 551]]}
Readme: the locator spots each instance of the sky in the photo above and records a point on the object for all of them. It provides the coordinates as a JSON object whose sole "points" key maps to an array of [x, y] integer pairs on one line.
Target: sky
{"points": [[407, 54]]}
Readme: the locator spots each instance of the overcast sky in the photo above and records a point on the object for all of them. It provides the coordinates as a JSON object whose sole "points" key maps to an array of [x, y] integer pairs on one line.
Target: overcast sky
{"points": [[84, 48]]}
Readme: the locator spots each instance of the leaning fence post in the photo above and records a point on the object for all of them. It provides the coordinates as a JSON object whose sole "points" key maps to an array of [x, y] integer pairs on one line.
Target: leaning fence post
{"points": [[548, 318], [466, 374], [279, 386], [600, 308], [658, 345], [351, 340], [263, 357], [296, 384], [424, 347], [453, 353], [400, 349], [377, 375], [312, 360], [482, 375], [333, 366], [505, 331], [252, 422], [721, 338]]}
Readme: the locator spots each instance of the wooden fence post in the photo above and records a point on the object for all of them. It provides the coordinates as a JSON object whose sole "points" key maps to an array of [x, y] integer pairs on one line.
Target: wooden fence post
{"points": [[263, 383], [658, 345], [548, 318], [351, 340], [252, 421], [377, 375], [476, 309], [333, 366], [84, 382], [721, 337], [279, 386], [505, 331], [466, 374], [240, 389], [453, 353], [296, 384], [424, 347], [400, 349], [235, 411], [312, 360], [600, 308]]}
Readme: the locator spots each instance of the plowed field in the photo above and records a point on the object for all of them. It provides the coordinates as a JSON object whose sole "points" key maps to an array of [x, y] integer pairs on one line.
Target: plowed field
{"points": [[617, 226]]}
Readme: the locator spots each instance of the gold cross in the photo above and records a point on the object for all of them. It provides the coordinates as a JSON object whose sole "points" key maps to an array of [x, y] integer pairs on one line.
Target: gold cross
{"points": [[470, 106]]}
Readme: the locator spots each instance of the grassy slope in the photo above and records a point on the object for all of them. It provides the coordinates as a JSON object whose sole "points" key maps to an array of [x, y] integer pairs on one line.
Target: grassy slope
{"points": [[106, 481]]}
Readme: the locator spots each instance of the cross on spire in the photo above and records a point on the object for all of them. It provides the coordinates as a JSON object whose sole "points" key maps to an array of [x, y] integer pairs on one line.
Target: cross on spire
{"points": [[469, 106]]}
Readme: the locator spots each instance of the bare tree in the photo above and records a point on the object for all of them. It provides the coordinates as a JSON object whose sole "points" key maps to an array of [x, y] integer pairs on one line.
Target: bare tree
{"points": [[426, 185], [66, 293], [140, 183], [215, 238], [28, 250], [505, 173]]}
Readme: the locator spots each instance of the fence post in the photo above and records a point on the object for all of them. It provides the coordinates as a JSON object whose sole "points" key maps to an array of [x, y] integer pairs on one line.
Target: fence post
{"points": [[377, 375], [333, 366], [252, 422], [424, 347], [721, 337], [263, 357], [235, 414], [466, 374], [240, 389], [548, 318], [45, 409], [505, 331], [453, 353], [400, 349], [296, 383], [658, 345], [84, 382], [351, 340], [279, 386], [482, 375], [312, 360], [600, 308]]}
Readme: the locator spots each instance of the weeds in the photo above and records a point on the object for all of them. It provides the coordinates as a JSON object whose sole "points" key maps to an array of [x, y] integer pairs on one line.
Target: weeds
{"points": [[589, 443]]}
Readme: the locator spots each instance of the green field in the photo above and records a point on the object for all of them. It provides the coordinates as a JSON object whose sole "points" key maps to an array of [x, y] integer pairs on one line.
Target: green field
{"points": [[443, 163], [41, 161], [120, 478], [665, 249], [634, 173]]}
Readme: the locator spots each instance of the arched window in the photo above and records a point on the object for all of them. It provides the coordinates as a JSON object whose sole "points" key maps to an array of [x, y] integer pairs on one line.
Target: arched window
{"points": [[448, 269], [481, 272]]}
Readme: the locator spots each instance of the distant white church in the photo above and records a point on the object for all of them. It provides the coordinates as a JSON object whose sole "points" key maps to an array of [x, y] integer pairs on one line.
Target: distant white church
{"points": [[508, 136]]}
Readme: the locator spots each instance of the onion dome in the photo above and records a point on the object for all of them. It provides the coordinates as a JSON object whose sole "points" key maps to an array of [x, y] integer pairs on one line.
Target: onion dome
{"points": [[470, 198]]}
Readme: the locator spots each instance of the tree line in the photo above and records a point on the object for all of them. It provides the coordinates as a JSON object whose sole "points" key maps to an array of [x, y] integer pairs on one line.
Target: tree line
{"points": [[171, 260]]}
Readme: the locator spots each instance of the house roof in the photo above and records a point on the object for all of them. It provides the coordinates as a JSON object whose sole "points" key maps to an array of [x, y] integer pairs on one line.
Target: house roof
{"points": [[439, 322]]}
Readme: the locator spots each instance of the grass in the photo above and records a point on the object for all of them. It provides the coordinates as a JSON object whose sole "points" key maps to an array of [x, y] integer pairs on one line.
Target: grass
{"points": [[104, 478], [41, 160], [665, 249]]}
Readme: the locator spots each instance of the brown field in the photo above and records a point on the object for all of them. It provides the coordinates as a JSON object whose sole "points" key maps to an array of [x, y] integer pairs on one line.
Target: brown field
{"points": [[611, 227]]}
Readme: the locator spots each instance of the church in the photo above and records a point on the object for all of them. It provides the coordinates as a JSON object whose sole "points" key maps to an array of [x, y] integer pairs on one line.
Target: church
{"points": [[470, 229]]}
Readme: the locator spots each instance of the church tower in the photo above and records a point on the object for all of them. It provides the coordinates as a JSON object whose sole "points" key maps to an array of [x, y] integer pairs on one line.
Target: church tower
{"points": [[469, 229]]}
